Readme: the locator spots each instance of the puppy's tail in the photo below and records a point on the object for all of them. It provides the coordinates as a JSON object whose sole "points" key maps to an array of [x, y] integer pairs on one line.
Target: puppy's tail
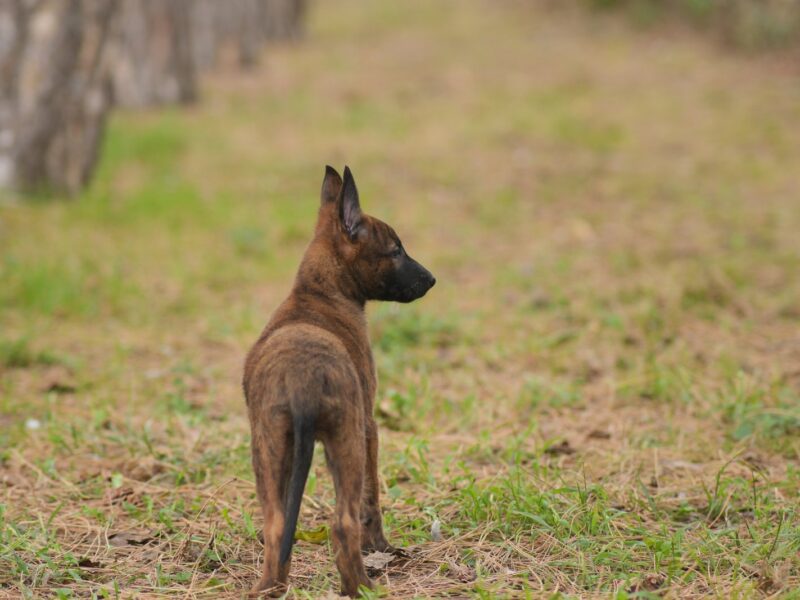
{"points": [[301, 464]]}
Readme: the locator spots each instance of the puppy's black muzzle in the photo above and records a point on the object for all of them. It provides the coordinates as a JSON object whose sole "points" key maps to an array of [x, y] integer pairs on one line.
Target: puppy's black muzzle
{"points": [[416, 280]]}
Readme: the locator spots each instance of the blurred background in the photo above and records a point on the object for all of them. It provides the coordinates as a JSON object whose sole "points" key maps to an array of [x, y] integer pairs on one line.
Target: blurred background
{"points": [[600, 394], [66, 64]]}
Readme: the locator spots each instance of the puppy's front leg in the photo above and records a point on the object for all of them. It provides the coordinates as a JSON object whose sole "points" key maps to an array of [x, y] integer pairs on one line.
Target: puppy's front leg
{"points": [[345, 456], [372, 537]]}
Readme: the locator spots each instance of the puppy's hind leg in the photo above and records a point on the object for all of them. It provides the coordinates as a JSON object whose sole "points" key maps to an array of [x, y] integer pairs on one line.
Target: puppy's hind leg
{"points": [[272, 463]]}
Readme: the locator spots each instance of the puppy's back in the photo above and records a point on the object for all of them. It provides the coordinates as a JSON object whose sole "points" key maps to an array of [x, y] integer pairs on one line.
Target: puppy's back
{"points": [[301, 369]]}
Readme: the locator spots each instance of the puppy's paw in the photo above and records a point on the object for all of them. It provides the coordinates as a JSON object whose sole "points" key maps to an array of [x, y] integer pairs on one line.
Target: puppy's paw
{"points": [[354, 591], [384, 546], [398, 552], [375, 541]]}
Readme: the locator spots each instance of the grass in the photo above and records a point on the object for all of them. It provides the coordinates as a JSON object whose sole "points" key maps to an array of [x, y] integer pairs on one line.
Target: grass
{"points": [[600, 398], [749, 25]]}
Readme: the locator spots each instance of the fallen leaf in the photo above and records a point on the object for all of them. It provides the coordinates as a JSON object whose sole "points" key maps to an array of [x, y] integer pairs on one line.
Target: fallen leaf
{"points": [[128, 538], [314, 536], [377, 562]]}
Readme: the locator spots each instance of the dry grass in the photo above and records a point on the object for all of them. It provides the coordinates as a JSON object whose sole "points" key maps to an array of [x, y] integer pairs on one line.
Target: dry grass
{"points": [[599, 398]]}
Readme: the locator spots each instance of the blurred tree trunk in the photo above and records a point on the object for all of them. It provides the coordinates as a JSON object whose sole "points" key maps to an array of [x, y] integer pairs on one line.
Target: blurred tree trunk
{"points": [[241, 28], [250, 36], [15, 24], [54, 96], [60, 68], [759, 24], [151, 53], [205, 36], [283, 19]]}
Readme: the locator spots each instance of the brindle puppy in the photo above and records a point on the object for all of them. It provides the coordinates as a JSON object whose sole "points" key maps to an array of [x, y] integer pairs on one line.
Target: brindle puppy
{"points": [[311, 376]]}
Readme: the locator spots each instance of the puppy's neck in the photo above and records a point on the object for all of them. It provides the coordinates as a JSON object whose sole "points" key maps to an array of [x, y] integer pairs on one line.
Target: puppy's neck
{"points": [[323, 274]]}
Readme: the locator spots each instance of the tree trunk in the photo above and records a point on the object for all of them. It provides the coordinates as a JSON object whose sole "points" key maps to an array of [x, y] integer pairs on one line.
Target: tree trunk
{"points": [[76, 148], [152, 54], [283, 19], [205, 35], [15, 20], [240, 28], [250, 36], [54, 96]]}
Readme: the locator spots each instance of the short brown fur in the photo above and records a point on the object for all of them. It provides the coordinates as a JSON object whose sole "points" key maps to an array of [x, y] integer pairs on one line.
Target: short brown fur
{"points": [[311, 373]]}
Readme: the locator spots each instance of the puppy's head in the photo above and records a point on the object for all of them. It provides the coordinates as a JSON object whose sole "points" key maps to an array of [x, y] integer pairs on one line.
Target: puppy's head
{"points": [[369, 249]]}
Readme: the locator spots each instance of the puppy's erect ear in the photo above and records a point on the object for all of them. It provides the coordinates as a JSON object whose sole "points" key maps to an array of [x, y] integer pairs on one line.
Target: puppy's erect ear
{"points": [[349, 208], [331, 186]]}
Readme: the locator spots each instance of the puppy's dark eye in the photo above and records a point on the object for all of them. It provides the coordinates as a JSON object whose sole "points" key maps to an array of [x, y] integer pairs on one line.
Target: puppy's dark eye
{"points": [[396, 252]]}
